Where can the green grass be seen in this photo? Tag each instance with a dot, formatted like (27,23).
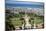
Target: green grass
(16,19)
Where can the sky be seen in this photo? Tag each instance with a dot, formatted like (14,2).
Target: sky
(16,3)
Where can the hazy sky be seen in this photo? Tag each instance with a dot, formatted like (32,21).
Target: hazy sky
(15,3)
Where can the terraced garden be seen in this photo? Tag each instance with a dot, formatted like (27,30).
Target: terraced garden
(18,20)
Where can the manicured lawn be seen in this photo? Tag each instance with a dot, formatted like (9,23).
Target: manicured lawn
(16,20)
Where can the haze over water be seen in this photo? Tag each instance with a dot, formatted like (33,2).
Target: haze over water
(24,4)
